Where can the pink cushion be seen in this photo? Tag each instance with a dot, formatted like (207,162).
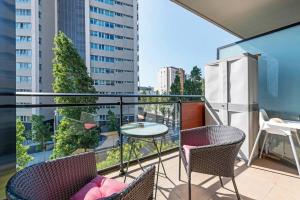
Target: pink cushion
(100,187)
(187,149)
(194,139)
(89,126)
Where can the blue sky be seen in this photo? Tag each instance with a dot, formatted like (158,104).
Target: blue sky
(172,36)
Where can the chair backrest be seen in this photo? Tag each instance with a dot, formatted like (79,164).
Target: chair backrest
(141,188)
(263,117)
(56,180)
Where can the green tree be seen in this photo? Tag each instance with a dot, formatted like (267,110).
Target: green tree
(163,110)
(40,131)
(112,122)
(113,155)
(176,86)
(22,156)
(70,76)
(196,74)
(193,84)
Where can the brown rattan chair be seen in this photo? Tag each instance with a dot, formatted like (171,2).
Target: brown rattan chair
(210,150)
(60,179)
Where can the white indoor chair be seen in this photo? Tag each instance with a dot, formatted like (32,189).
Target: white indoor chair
(283,128)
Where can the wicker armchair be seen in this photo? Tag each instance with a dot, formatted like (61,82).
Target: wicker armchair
(60,179)
(210,150)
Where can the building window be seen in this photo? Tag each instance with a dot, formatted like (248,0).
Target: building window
(24,118)
(23,79)
(40,15)
(23,52)
(101,23)
(108,36)
(123,4)
(97,70)
(23,25)
(23,12)
(102,47)
(102,35)
(102,59)
(23,1)
(110,2)
(106,24)
(23,38)
(23,90)
(122,70)
(101,11)
(40,27)
(104,82)
(40,54)
(124,82)
(23,66)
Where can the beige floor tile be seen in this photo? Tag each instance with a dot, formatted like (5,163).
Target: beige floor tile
(265,179)
(279,193)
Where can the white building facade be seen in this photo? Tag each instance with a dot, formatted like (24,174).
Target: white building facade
(105,32)
(35,30)
(166,77)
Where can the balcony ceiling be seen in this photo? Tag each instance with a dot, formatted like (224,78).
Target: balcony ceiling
(246,18)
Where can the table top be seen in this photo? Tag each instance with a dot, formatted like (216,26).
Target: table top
(144,129)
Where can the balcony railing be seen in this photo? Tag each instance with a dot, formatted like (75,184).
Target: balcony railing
(167,109)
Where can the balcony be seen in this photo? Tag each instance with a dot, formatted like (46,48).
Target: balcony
(266,178)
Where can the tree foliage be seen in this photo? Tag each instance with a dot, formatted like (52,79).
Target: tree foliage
(22,156)
(176,86)
(113,155)
(193,84)
(40,131)
(70,76)
(71,136)
(112,122)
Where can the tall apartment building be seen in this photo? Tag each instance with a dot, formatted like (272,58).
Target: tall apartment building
(105,32)
(35,30)
(166,77)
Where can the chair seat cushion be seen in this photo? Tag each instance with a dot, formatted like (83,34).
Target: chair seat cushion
(186,150)
(89,126)
(99,188)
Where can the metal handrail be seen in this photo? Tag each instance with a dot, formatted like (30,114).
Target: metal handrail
(178,100)
(45,94)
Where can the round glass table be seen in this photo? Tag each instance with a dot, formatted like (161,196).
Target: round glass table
(145,130)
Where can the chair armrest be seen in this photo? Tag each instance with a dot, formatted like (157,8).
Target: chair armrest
(142,187)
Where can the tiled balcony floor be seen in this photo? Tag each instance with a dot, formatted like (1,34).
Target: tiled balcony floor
(265,179)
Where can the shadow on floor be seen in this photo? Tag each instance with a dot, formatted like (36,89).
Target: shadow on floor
(180,193)
(209,193)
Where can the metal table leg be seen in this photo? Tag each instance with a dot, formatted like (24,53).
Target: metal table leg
(159,162)
(132,144)
(130,152)
(159,154)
